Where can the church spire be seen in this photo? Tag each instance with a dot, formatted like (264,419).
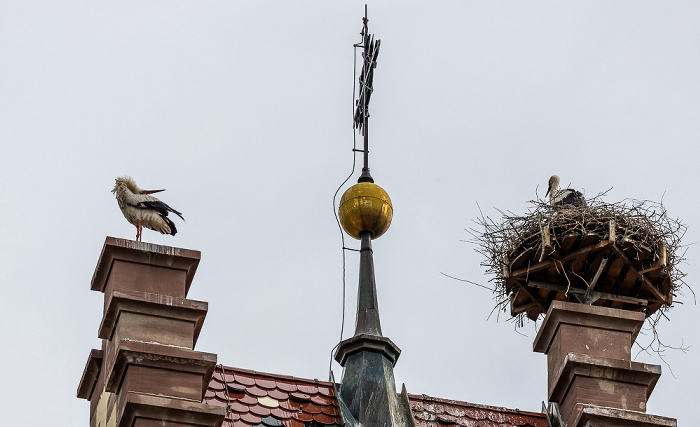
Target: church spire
(367,395)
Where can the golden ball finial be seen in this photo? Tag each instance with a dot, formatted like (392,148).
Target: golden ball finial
(365,207)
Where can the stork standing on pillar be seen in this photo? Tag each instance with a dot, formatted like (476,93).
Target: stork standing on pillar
(143,210)
(566,198)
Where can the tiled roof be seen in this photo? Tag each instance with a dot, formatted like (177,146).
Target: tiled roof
(433,412)
(267,400)
(258,399)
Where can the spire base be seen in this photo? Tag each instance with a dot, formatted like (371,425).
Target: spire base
(368,392)
(371,343)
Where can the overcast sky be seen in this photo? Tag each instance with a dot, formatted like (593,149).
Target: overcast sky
(243,112)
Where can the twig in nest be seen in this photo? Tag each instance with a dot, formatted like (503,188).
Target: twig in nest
(468,281)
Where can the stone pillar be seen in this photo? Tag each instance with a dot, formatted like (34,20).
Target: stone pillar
(591,375)
(147,372)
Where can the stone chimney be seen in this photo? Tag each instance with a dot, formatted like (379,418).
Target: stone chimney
(591,375)
(147,372)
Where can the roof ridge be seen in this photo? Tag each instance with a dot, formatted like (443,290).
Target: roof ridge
(272,375)
(427,398)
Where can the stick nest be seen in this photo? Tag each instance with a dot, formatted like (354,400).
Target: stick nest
(643,231)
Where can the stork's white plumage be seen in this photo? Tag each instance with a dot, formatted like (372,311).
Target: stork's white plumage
(143,210)
(566,197)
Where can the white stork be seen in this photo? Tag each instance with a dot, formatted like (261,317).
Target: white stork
(143,210)
(566,198)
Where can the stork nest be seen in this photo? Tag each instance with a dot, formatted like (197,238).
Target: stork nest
(609,254)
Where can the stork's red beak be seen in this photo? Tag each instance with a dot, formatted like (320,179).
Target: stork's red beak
(152,191)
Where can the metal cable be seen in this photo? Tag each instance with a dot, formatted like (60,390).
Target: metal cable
(228,398)
(335,211)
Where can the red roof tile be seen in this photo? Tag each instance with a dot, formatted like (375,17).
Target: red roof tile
(258,399)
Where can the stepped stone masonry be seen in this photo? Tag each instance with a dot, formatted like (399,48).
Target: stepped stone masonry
(591,375)
(147,372)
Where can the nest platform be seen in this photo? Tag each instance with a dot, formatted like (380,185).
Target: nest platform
(610,271)
(614,255)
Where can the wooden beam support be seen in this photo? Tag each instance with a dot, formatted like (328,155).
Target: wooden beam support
(598,272)
(567,242)
(652,267)
(653,308)
(532,297)
(599,295)
(546,242)
(505,267)
(515,310)
(657,293)
(662,256)
(611,231)
(659,263)
(548,263)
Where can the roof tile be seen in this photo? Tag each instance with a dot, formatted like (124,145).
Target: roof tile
(244,379)
(271,422)
(308,389)
(288,387)
(251,418)
(215,385)
(290,405)
(268,402)
(303,416)
(248,400)
(330,410)
(326,391)
(311,408)
(239,407)
(320,400)
(281,413)
(260,411)
(223,378)
(236,387)
(301,397)
(265,383)
(323,418)
(256,391)
(277,394)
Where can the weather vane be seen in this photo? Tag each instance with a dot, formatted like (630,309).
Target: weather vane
(369,55)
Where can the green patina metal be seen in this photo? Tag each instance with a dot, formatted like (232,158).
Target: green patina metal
(367,393)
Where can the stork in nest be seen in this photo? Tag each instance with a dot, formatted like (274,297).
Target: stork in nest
(565,198)
(143,210)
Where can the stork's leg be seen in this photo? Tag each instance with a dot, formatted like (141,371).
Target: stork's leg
(139,229)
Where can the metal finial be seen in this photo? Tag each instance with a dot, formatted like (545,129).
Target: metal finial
(369,56)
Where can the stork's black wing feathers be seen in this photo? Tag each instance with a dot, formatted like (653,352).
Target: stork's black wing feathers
(572,198)
(171,224)
(161,207)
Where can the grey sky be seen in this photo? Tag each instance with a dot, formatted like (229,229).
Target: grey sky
(243,112)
